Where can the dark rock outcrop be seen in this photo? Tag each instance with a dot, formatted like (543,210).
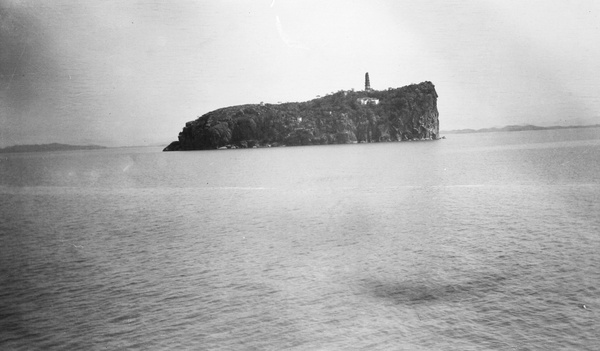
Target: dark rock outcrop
(174,146)
(407,113)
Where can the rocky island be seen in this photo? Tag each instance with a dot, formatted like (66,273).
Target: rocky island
(406,113)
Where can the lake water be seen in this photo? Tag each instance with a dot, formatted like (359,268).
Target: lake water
(477,242)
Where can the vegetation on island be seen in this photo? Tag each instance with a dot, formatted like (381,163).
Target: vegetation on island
(406,113)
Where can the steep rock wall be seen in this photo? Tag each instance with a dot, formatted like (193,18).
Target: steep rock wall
(407,113)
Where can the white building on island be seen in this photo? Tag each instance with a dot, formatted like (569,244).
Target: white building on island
(368,101)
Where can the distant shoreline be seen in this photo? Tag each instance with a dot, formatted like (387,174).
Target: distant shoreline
(48,147)
(68,147)
(514,128)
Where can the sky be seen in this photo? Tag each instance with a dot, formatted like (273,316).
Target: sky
(128,73)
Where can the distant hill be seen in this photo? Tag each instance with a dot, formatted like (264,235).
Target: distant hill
(513,128)
(49,147)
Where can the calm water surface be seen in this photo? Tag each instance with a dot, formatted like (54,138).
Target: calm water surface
(476,242)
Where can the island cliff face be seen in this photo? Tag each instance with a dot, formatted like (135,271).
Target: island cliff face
(407,113)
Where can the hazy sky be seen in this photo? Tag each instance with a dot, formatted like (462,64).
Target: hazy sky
(121,73)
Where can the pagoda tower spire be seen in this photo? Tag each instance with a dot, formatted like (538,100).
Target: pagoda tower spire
(367,82)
